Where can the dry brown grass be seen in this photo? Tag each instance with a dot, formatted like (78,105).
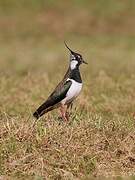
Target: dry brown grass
(98,140)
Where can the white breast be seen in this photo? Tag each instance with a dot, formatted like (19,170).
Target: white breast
(73,91)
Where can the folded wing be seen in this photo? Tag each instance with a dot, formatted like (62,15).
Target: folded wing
(53,100)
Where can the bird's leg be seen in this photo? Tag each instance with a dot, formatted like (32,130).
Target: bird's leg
(67,115)
(63,110)
(69,105)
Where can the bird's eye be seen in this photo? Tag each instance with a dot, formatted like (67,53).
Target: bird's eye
(79,56)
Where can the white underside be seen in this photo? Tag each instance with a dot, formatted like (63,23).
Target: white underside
(73,91)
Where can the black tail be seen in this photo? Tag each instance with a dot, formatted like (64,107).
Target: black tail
(36,115)
(44,108)
(41,110)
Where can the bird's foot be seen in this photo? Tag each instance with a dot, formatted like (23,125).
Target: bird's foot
(67,116)
(60,118)
(64,113)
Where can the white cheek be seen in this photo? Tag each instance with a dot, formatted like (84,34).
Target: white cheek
(72,57)
(73,64)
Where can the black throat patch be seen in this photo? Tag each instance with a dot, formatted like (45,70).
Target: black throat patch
(75,75)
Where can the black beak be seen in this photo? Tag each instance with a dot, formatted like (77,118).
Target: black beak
(84,62)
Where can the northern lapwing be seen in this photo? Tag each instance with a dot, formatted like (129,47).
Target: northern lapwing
(66,91)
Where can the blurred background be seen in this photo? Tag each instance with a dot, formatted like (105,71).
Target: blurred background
(32,34)
(32,50)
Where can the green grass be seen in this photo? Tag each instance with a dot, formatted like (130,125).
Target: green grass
(98,141)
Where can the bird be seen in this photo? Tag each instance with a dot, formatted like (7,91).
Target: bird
(67,90)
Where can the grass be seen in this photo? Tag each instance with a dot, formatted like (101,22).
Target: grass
(98,141)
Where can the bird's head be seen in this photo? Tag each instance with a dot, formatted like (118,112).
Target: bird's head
(75,58)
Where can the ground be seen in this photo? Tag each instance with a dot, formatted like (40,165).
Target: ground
(99,140)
